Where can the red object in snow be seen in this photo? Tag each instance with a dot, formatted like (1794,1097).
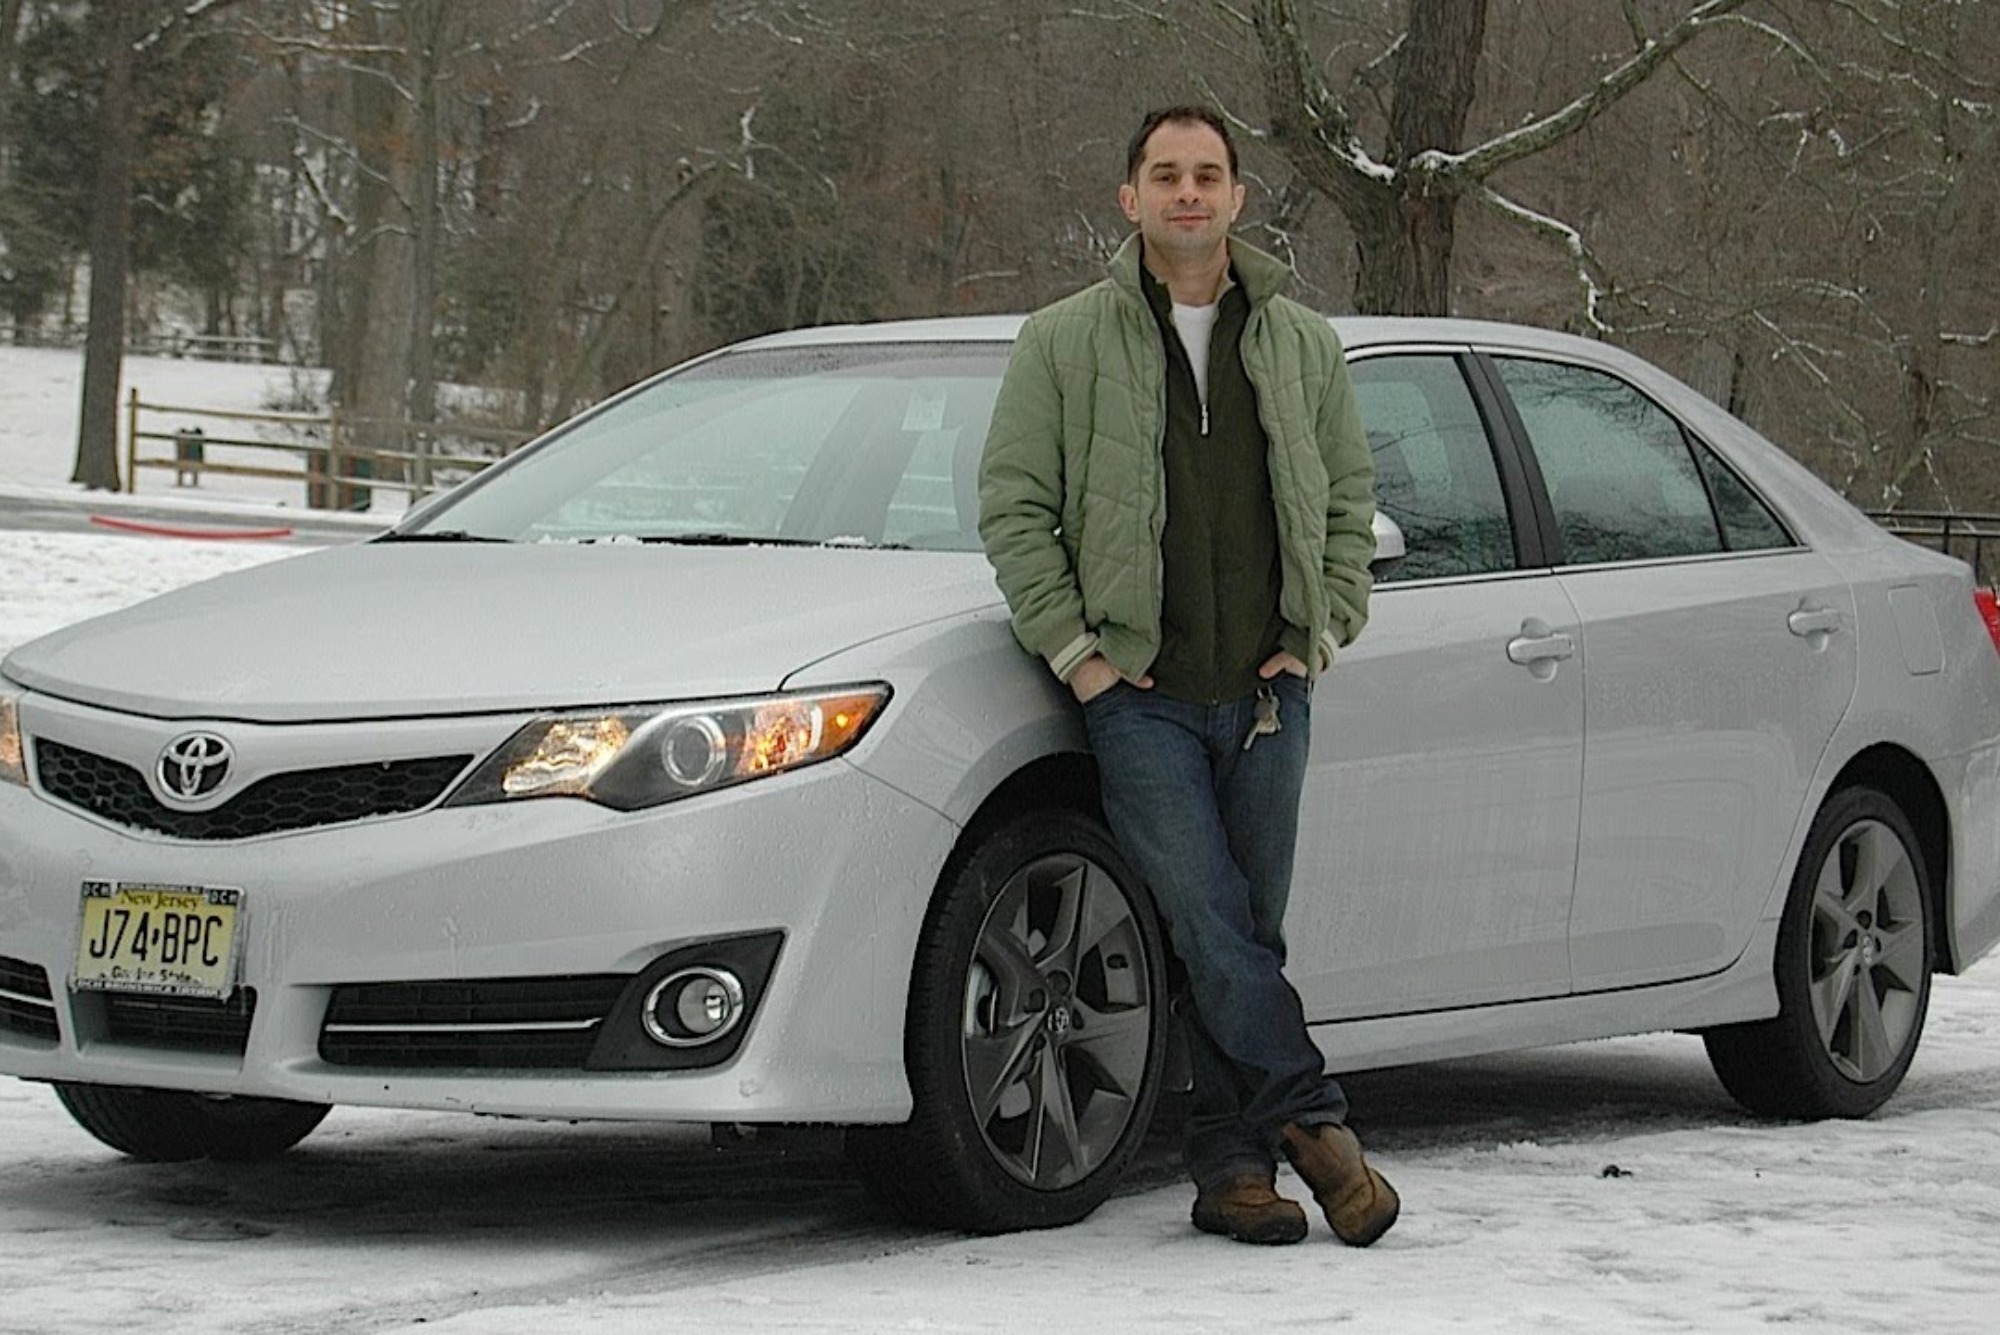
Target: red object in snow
(183,531)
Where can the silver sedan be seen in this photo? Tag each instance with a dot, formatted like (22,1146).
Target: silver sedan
(683,767)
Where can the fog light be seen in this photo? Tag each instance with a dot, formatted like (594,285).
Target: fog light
(694,1006)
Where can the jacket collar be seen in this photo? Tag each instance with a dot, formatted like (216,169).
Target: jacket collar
(1262,276)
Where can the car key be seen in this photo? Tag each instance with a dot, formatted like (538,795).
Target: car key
(1264,717)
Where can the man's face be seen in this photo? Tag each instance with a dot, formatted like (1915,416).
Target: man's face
(1183,198)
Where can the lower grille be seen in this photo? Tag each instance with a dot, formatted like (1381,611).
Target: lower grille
(183,1024)
(298,800)
(505,1023)
(27,1007)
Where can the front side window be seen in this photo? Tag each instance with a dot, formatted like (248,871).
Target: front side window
(1619,472)
(1434,470)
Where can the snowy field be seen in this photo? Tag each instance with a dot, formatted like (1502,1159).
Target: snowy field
(1602,1187)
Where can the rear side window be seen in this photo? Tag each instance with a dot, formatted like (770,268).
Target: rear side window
(1623,481)
(1434,470)
(1747,523)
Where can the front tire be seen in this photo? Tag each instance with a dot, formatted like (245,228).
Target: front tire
(1853,971)
(1036,1033)
(170,1126)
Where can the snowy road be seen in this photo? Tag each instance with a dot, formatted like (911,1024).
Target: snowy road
(1607,1186)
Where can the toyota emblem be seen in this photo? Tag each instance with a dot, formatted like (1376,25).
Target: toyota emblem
(193,765)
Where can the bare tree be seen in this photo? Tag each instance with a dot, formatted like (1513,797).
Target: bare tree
(110,252)
(1401,201)
(11,12)
(128,31)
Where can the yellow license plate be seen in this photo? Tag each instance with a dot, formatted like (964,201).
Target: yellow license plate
(143,937)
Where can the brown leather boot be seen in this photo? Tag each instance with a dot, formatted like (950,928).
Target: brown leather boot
(1249,1209)
(1359,1204)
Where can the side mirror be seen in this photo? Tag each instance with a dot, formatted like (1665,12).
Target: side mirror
(1389,545)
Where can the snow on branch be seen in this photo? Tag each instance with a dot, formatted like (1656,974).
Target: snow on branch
(1891,34)
(1807,357)
(1318,137)
(186,16)
(1587,266)
(1478,163)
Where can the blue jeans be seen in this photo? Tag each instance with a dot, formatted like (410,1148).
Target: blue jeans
(1212,829)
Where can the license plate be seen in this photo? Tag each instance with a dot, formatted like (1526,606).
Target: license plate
(144,937)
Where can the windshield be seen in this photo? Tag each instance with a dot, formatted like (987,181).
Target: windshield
(867,444)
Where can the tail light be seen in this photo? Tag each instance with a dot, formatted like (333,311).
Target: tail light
(1989,612)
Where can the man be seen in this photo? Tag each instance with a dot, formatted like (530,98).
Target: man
(1176,497)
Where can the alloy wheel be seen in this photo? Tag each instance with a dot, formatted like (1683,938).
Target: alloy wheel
(1057,1020)
(1867,961)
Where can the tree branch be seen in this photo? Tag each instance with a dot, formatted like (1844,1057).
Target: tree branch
(1589,271)
(1323,145)
(1478,163)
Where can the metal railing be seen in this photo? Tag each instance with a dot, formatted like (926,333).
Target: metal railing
(1973,539)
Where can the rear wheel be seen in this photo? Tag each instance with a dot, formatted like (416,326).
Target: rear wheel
(1853,971)
(170,1126)
(1036,1031)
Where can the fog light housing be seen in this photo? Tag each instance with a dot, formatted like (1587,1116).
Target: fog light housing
(693,1006)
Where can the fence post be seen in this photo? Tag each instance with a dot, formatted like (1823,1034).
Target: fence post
(327,492)
(132,439)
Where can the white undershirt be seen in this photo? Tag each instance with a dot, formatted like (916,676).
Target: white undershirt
(1194,324)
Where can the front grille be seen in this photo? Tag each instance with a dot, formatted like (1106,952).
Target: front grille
(493,1023)
(298,800)
(184,1024)
(27,1007)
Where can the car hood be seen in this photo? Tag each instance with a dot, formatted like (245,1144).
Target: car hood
(384,630)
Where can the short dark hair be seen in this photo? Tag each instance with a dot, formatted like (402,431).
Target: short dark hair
(1188,114)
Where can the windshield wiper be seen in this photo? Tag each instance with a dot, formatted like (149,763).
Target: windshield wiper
(439,535)
(719,539)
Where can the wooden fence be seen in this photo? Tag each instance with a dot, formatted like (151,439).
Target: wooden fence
(339,459)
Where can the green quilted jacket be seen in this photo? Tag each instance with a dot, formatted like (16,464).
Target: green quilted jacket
(1072,491)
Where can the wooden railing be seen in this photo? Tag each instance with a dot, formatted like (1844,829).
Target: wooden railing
(338,458)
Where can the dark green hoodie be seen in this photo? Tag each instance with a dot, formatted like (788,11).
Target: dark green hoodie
(1220,584)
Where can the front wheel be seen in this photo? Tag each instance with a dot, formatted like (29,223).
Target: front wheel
(170,1126)
(1853,971)
(1036,1031)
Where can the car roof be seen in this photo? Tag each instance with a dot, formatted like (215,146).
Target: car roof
(1356,332)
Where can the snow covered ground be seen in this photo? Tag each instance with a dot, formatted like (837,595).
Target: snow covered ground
(1602,1187)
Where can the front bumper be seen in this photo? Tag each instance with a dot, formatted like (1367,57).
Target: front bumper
(838,864)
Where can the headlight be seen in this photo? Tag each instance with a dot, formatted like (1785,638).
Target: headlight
(13,761)
(640,757)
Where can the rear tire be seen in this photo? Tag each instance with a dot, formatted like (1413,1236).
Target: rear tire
(170,1126)
(1035,1038)
(1853,971)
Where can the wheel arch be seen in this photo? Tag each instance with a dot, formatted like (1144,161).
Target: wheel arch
(1050,802)
(1063,779)
(1058,780)
(1908,782)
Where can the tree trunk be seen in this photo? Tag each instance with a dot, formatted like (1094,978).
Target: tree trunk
(425,22)
(110,247)
(1404,246)
(10,36)
(372,378)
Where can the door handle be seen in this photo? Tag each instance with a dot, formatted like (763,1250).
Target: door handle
(1538,648)
(1813,621)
